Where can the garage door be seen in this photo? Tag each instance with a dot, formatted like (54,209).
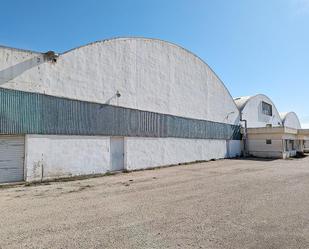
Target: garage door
(12,150)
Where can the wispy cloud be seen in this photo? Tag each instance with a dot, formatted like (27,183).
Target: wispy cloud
(300,6)
(305,125)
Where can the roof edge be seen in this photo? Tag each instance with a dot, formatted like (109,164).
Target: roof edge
(20,49)
(153,39)
(243,105)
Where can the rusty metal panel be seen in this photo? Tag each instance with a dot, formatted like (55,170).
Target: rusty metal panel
(33,113)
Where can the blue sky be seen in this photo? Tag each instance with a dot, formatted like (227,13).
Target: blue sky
(255,46)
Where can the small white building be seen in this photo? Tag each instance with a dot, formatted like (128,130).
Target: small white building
(258,111)
(268,133)
(273,142)
(119,104)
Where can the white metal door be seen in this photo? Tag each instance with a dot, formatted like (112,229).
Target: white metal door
(12,150)
(117,153)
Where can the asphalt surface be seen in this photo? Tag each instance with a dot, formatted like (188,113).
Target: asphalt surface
(221,204)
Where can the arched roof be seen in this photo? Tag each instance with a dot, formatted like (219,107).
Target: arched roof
(20,49)
(149,39)
(283,115)
(250,109)
(153,74)
(288,117)
(241,102)
(125,38)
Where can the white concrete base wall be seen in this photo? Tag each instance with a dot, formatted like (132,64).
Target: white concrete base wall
(144,153)
(235,148)
(48,157)
(64,156)
(261,145)
(267,154)
(259,148)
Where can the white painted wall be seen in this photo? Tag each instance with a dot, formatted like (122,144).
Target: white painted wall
(144,153)
(260,145)
(259,148)
(64,156)
(234,148)
(20,69)
(252,112)
(151,75)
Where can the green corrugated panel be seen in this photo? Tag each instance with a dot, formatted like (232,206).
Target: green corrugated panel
(32,113)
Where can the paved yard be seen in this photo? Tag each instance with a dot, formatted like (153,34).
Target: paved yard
(221,204)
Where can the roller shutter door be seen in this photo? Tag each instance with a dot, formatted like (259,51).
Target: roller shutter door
(12,150)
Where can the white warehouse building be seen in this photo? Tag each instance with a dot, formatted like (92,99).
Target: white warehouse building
(267,132)
(119,104)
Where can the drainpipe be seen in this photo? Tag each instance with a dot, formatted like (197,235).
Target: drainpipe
(244,138)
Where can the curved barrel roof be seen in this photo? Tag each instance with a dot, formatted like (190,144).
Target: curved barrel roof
(149,74)
(251,109)
(290,120)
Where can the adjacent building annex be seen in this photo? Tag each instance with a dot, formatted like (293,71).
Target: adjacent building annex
(121,104)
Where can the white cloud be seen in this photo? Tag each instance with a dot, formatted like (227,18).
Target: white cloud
(305,125)
(301,6)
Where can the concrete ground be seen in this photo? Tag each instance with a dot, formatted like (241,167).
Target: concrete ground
(221,204)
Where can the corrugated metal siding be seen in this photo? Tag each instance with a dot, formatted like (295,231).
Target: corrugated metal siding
(32,113)
(12,150)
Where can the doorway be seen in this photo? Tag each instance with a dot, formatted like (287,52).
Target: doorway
(117,153)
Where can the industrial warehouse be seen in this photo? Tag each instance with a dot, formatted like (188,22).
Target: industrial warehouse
(127,104)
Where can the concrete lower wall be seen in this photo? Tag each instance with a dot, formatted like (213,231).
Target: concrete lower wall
(261,145)
(48,157)
(259,148)
(235,148)
(267,154)
(65,156)
(151,152)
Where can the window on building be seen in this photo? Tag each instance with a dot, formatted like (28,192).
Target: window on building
(267,109)
(268,141)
